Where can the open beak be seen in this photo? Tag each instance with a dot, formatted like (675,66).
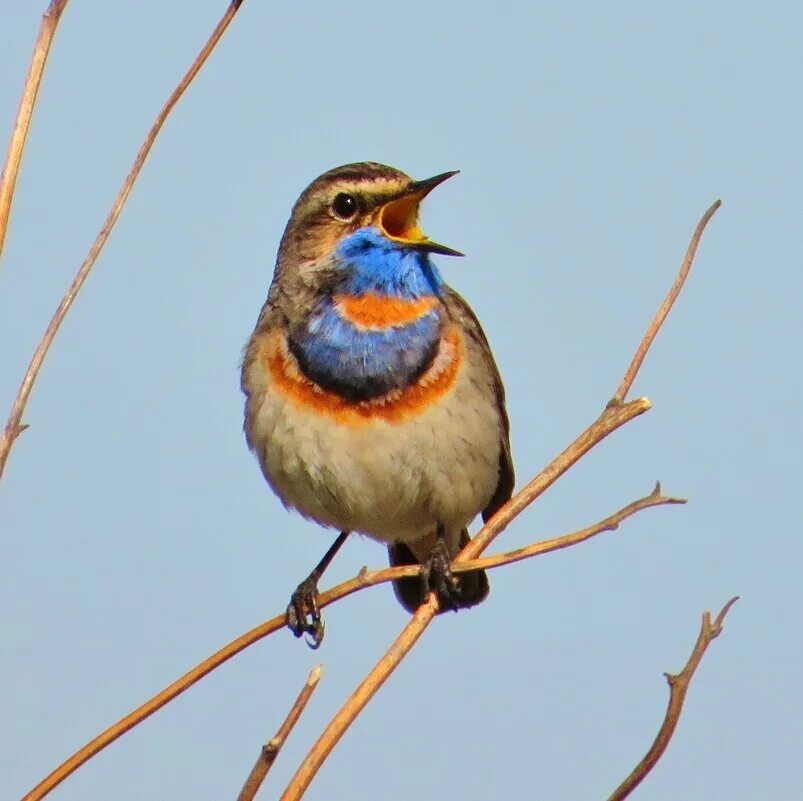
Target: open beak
(398,218)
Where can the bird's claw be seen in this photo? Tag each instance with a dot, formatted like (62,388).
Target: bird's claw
(438,577)
(303,614)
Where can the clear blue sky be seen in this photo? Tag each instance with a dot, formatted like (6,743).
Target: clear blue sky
(137,534)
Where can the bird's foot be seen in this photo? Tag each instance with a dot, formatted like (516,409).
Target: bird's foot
(303,615)
(438,577)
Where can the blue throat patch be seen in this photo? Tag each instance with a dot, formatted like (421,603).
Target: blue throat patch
(357,364)
(373,263)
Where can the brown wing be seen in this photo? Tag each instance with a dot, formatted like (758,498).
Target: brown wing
(471,325)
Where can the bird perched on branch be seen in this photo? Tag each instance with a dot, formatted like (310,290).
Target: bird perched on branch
(373,403)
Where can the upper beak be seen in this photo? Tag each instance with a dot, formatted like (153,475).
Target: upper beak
(398,218)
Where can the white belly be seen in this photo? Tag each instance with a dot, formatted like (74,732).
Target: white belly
(393,481)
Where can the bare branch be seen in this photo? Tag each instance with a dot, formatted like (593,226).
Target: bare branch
(15,417)
(567,540)
(678,686)
(19,134)
(271,749)
(612,418)
(362,581)
(666,307)
(359,699)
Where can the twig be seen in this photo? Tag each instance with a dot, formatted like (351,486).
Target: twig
(608,524)
(424,615)
(271,749)
(678,686)
(19,134)
(359,699)
(359,582)
(13,428)
(666,307)
(612,418)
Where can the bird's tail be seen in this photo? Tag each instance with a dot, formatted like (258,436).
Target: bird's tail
(412,592)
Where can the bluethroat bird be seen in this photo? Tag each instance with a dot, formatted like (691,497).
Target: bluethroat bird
(373,403)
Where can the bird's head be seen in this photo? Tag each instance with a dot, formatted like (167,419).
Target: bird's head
(367,204)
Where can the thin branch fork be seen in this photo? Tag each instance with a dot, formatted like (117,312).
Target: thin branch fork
(271,749)
(678,687)
(19,134)
(13,427)
(608,524)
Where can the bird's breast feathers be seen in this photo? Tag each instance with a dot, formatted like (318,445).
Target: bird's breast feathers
(386,465)
(285,377)
(378,312)
(355,357)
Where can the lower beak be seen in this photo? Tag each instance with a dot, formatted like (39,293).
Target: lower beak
(398,218)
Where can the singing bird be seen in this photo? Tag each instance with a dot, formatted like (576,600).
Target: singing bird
(373,402)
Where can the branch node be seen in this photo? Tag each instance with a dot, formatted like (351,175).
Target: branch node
(270,749)
(707,628)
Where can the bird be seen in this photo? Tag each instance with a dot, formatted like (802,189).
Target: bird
(373,402)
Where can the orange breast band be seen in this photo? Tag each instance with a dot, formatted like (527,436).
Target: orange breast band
(376,312)
(396,406)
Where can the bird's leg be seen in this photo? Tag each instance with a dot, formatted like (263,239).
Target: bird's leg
(437,573)
(304,601)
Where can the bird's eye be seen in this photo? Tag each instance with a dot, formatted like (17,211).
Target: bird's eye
(345,206)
